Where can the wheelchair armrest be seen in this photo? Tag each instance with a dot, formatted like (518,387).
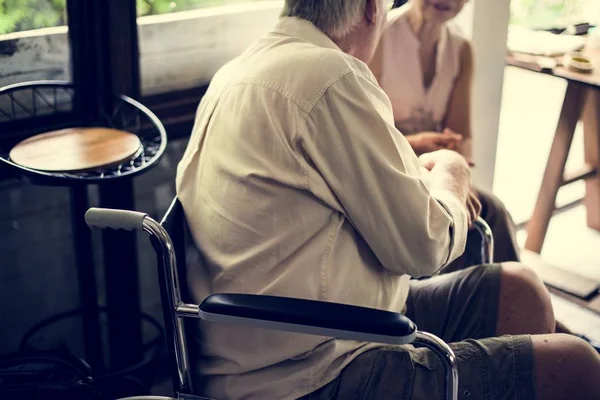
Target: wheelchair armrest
(308,316)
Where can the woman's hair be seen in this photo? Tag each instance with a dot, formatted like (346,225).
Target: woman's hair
(336,18)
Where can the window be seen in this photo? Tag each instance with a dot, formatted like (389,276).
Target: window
(33,41)
(554,13)
(154,7)
(184,42)
(17,15)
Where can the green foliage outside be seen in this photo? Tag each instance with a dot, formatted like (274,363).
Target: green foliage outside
(153,7)
(548,13)
(23,15)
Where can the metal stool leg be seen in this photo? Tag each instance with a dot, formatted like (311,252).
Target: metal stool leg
(122,281)
(446,355)
(88,292)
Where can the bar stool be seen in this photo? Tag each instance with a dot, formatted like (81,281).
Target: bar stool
(46,138)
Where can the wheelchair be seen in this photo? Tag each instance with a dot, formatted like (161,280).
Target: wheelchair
(279,313)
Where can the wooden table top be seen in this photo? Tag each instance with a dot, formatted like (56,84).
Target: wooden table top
(534,63)
(76,149)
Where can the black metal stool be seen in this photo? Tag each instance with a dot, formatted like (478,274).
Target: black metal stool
(31,108)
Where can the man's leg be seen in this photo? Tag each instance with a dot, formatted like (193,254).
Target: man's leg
(470,304)
(488,370)
(524,305)
(482,301)
(544,367)
(566,368)
(460,305)
(523,292)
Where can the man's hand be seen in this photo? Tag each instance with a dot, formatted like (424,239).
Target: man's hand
(473,207)
(448,171)
(427,142)
(454,169)
(443,158)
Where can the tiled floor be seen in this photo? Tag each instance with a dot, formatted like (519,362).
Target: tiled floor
(37,275)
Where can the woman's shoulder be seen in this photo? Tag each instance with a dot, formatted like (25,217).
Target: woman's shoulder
(457,39)
(456,32)
(396,16)
(461,49)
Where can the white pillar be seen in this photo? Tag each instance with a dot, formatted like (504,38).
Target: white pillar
(486,23)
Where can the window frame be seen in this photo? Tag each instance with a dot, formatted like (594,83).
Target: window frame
(105,55)
(103,40)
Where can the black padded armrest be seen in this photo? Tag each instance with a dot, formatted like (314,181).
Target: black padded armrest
(311,317)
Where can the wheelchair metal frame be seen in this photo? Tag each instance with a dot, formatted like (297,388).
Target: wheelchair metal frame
(487,240)
(176,310)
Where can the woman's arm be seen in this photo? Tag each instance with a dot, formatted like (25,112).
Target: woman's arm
(458,118)
(427,142)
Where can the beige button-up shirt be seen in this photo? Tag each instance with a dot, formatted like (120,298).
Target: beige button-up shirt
(296,183)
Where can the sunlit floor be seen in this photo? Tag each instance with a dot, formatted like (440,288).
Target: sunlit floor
(530,108)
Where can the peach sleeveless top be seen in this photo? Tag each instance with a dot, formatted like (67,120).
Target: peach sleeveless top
(417,108)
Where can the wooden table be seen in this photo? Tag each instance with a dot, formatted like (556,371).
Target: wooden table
(581,102)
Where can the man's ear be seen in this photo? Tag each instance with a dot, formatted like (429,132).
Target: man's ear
(372,11)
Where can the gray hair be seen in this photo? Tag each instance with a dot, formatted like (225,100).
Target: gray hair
(336,18)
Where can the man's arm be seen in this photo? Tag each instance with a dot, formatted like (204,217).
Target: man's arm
(370,167)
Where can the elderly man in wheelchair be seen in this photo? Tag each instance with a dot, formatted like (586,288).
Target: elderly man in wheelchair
(312,213)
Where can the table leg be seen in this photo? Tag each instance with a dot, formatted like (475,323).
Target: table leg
(553,176)
(591,131)
(122,284)
(88,292)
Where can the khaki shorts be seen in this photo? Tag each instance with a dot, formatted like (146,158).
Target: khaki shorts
(462,309)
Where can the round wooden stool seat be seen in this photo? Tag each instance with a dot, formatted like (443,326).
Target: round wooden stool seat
(76,149)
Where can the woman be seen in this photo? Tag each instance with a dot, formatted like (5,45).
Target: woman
(426,68)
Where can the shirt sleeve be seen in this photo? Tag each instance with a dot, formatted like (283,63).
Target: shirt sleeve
(372,170)
(459,224)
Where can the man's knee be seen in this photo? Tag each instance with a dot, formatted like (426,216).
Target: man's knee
(523,276)
(566,367)
(562,345)
(581,351)
(523,286)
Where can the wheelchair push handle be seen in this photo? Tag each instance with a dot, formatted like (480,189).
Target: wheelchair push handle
(114,219)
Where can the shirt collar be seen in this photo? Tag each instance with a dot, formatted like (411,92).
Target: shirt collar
(305,30)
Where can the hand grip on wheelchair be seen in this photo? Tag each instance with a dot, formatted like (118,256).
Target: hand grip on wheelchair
(114,219)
